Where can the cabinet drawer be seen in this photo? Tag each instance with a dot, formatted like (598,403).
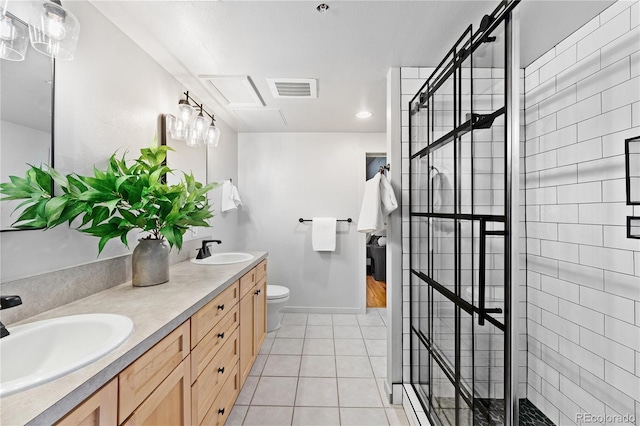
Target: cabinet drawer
(223,404)
(208,347)
(261,270)
(139,380)
(247,282)
(207,387)
(211,313)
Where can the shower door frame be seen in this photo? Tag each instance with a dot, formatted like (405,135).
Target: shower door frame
(506,12)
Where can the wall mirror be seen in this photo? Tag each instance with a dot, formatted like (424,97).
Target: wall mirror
(26,121)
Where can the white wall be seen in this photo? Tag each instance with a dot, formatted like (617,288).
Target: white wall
(285,176)
(108,98)
(582,101)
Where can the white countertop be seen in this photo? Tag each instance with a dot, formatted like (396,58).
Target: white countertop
(155,311)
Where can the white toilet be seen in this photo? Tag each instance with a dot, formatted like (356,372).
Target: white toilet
(277,295)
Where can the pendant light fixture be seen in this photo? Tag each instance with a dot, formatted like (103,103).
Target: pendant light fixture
(14,37)
(192,138)
(196,132)
(213,135)
(182,120)
(200,125)
(53,30)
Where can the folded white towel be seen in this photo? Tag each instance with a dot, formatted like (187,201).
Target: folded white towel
(370,219)
(323,233)
(230,197)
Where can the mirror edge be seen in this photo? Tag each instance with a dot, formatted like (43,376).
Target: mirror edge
(52,147)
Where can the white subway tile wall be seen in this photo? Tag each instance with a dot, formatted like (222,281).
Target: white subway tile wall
(585,308)
(583,278)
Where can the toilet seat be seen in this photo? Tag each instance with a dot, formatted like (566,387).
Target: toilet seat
(276,292)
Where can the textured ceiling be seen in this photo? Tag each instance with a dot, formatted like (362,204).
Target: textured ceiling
(349,49)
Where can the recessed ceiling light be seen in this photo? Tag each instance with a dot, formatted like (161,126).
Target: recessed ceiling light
(322,7)
(364,114)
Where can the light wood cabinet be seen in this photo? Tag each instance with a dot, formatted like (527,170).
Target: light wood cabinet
(139,380)
(208,347)
(193,375)
(210,314)
(260,317)
(253,324)
(247,282)
(101,408)
(223,404)
(247,340)
(207,387)
(169,404)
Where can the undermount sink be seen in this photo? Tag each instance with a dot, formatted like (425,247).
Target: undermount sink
(223,259)
(42,351)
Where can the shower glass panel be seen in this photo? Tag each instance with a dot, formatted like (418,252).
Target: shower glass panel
(459,232)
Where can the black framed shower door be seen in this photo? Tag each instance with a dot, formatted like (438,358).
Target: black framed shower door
(459,232)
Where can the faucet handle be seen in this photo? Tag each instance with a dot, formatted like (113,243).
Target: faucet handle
(9,301)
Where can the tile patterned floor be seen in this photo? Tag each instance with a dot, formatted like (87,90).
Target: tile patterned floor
(320,369)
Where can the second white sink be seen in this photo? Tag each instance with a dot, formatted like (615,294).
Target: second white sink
(42,351)
(223,259)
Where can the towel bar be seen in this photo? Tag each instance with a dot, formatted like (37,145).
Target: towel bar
(339,220)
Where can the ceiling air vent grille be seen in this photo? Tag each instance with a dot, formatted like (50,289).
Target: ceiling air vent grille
(293,87)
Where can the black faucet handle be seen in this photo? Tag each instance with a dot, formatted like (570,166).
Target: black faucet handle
(204,251)
(9,301)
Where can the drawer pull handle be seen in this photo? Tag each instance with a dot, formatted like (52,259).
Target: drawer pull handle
(221,370)
(221,335)
(221,307)
(257,292)
(221,411)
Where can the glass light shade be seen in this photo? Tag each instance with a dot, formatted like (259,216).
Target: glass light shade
(177,128)
(53,30)
(192,138)
(185,111)
(213,136)
(201,124)
(14,38)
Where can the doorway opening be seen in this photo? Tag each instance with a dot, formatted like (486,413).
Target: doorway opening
(376,248)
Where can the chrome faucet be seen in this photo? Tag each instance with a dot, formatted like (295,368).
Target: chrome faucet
(204,252)
(8,302)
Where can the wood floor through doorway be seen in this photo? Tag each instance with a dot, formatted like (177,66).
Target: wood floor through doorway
(376,293)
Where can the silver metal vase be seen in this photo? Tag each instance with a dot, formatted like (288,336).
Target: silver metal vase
(150,263)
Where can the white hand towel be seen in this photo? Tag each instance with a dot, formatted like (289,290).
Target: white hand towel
(387,196)
(235,196)
(230,197)
(323,234)
(370,219)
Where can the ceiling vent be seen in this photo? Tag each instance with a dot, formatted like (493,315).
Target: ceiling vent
(237,90)
(293,87)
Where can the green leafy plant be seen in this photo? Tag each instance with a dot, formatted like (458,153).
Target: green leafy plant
(113,202)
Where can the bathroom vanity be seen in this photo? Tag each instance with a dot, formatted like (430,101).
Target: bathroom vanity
(194,343)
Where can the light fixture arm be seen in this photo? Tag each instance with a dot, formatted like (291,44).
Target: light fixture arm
(201,106)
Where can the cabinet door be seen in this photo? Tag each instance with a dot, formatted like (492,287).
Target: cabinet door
(260,314)
(100,409)
(247,341)
(169,404)
(138,380)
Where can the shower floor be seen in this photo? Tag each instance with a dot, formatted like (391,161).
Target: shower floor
(529,413)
